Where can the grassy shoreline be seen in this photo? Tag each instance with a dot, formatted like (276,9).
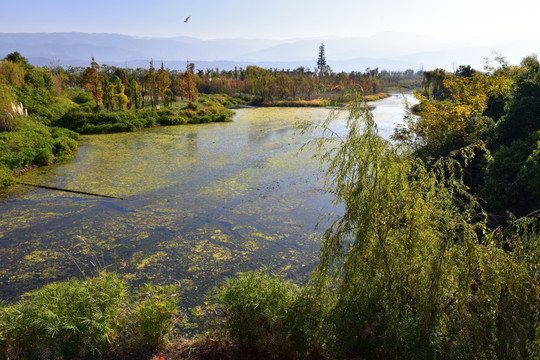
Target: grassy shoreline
(318,102)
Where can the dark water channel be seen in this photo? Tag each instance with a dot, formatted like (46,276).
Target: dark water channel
(202,202)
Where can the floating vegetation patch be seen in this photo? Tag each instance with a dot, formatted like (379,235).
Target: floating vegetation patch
(202,202)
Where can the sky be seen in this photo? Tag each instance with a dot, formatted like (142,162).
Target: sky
(276,19)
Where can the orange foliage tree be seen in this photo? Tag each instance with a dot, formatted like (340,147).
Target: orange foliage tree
(91,81)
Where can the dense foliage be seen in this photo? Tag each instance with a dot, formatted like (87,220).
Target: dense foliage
(85,319)
(261,311)
(498,108)
(412,268)
(32,143)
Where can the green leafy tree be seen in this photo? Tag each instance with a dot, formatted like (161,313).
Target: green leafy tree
(108,95)
(433,84)
(7,113)
(136,94)
(12,73)
(523,107)
(511,179)
(283,85)
(119,94)
(411,269)
(259,81)
(321,60)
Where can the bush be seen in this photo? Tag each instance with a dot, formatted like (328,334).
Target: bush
(63,320)
(154,315)
(106,122)
(35,144)
(30,143)
(83,97)
(86,318)
(165,120)
(261,311)
(5,176)
(167,111)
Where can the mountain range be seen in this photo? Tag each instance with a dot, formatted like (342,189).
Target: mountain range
(388,50)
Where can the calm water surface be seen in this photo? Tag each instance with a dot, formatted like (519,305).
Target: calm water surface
(201,202)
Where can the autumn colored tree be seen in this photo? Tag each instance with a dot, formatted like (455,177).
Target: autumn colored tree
(90,78)
(449,122)
(163,81)
(296,86)
(310,84)
(188,84)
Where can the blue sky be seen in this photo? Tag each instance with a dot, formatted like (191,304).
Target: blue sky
(276,19)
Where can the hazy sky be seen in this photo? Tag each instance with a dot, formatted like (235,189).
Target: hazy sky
(275,19)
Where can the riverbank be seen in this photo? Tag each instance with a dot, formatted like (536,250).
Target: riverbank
(319,102)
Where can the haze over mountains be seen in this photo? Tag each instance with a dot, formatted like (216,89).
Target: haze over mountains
(388,50)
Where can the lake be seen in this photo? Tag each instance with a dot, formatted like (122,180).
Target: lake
(198,203)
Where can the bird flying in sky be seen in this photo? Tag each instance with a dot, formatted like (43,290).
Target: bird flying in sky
(186,20)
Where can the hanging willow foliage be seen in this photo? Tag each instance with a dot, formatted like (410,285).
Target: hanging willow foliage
(411,268)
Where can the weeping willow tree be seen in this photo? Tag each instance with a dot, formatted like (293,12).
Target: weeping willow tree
(411,268)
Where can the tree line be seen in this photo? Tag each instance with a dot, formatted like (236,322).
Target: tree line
(163,86)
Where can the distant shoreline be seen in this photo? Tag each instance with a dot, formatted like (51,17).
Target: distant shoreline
(319,102)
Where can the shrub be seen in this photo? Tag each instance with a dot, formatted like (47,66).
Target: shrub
(83,97)
(261,311)
(171,120)
(106,122)
(5,176)
(154,315)
(63,320)
(167,111)
(31,143)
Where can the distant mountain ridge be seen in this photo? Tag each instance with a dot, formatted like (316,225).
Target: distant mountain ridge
(388,50)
